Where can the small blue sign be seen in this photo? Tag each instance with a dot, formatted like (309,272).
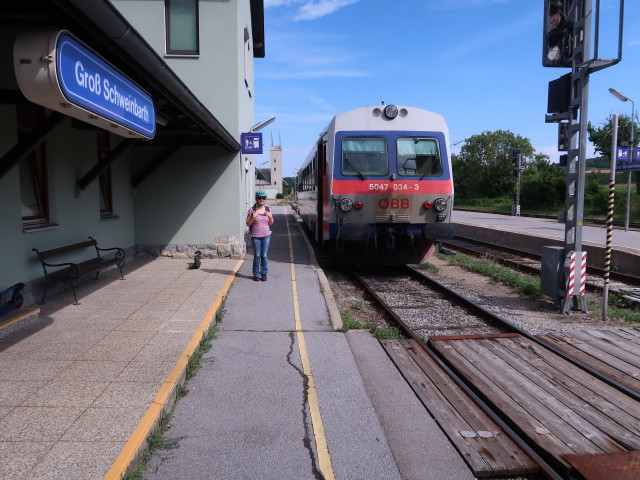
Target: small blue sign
(88,81)
(636,154)
(623,154)
(251,143)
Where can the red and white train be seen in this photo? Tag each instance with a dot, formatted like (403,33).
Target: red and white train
(377,187)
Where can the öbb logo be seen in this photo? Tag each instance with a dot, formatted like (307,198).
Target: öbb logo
(393,203)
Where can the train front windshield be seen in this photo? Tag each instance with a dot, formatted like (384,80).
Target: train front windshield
(366,157)
(418,156)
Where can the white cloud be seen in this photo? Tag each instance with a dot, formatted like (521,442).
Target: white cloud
(311,9)
(321,8)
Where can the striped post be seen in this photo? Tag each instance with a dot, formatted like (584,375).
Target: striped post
(572,274)
(612,189)
(583,273)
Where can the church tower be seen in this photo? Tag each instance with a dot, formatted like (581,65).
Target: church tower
(275,157)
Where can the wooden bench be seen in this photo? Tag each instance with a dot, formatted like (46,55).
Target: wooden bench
(71,273)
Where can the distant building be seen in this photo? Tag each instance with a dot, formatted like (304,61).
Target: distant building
(270,179)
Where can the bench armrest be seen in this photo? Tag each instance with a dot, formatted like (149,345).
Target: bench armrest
(74,270)
(119,253)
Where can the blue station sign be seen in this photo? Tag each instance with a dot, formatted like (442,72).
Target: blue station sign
(623,154)
(90,82)
(251,143)
(629,161)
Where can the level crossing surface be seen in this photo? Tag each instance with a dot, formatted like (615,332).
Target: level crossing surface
(282,395)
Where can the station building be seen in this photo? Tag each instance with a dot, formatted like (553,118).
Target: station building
(121,120)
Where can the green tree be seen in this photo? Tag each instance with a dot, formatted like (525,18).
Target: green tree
(601,138)
(483,168)
(542,185)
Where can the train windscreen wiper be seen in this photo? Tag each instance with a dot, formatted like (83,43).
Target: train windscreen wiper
(437,159)
(360,174)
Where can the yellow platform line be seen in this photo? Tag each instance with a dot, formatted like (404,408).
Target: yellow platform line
(324,458)
(166,394)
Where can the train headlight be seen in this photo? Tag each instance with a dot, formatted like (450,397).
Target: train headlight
(358,205)
(391,112)
(440,204)
(346,205)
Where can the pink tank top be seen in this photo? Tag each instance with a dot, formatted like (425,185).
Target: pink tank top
(260,226)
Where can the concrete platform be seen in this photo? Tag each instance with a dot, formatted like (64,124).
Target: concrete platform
(281,394)
(535,233)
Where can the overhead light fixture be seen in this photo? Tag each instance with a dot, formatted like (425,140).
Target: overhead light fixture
(262,124)
(618,95)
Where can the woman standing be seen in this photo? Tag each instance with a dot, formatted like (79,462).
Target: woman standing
(259,219)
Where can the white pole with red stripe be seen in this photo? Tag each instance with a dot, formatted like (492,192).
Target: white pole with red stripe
(573,287)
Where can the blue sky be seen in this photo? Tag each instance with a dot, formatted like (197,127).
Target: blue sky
(476,62)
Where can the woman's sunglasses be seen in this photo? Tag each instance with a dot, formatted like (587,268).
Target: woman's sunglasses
(261,198)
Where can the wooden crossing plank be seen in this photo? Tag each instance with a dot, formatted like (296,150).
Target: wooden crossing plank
(616,417)
(507,454)
(615,348)
(535,403)
(575,418)
(486,449)
(613,363)
(501,399)
(543,393)
(631,332)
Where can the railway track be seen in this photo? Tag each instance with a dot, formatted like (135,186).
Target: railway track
(506,399)
(529,262)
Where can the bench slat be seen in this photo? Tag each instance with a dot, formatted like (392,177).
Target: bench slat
(67,248)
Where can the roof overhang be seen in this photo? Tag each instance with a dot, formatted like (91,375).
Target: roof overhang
(100,24)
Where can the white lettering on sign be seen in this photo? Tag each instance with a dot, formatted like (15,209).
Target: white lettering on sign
(111,93)
(127,103)
(86,80)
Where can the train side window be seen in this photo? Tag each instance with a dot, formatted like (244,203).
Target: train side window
(362,156)
(418,156)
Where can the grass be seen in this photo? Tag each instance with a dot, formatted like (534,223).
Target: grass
(157,440)
(429,266)
(530,286)
(360,305)
(525,284)
(381,333)
(616,310)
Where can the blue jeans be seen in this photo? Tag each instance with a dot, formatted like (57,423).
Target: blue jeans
(260,260)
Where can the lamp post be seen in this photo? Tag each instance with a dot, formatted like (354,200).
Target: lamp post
(624,98)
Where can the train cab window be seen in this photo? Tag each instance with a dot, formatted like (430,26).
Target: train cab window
(364,156)
(418,156)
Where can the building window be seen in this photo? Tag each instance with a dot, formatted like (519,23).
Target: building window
(181,17)
(247,49)
(33,170)
(106,199)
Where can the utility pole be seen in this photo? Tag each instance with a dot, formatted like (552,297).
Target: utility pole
(516,161)
(567,44)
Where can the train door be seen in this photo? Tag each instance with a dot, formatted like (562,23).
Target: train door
(322,189)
